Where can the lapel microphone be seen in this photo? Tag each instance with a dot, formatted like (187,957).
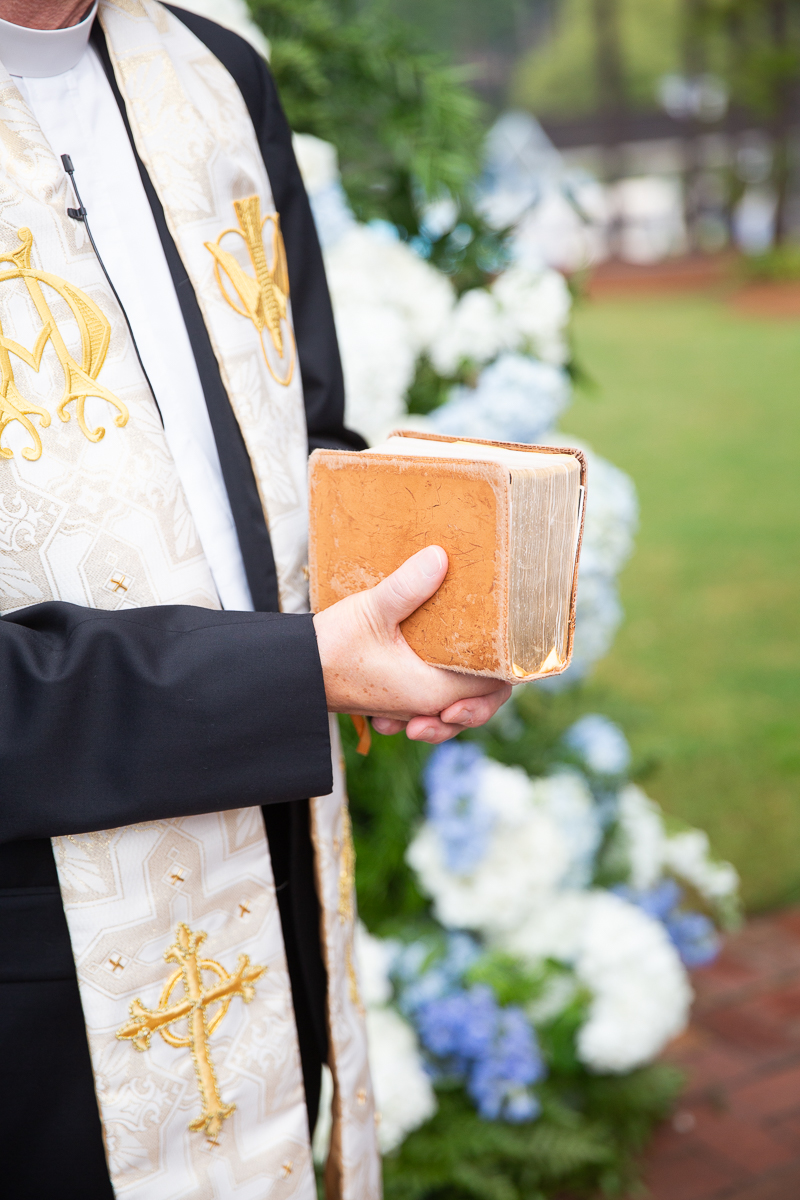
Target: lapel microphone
(80,214)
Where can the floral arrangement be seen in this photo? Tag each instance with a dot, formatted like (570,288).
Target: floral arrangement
(491,363)
(538,913)
(530,914)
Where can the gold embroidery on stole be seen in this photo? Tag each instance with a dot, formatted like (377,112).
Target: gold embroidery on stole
(80,380)
(264,299)
(194,1008)
(347,883)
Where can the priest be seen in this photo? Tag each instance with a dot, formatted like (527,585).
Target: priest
(176,865)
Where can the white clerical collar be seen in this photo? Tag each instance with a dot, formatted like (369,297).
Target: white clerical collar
(40,53)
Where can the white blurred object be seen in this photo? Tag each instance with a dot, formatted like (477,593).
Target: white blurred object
(648,214)
(688,855)
(234,15)
(704,97)
(600,744)
(643,830)
(536,304)
(559,213)
(389,304)
(559,234)
(754,220)
(474,332)
(319,167)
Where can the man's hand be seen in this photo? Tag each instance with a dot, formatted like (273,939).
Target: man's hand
(370,669)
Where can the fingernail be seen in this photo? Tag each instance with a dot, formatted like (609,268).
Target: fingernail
(427,734)
(431,561)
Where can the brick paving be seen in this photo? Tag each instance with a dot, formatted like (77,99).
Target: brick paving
(735,1134)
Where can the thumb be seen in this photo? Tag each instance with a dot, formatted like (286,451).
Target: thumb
(397,596)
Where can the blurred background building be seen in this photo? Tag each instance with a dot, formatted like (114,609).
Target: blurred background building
(661,126)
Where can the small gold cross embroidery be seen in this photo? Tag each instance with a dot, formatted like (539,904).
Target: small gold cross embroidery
(194,1007)
(244,911)
(115,964)
(176,877)
(119,584)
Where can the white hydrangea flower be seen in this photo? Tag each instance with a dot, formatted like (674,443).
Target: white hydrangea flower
(476,331)
(526,857)
(388,303)
(643,828)
(640,990)
(552,930)
(536,305)
(377,361)
(373,958)
(566,798)
(688,855)
(404,1096)
(318,161)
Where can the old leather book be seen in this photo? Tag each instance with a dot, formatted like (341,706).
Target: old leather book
(509,516)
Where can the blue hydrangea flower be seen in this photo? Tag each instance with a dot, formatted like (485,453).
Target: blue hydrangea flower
(600,744)
(452,778)
(494,1049)
(695,938)
(421,977)
(517,398)
(693,934)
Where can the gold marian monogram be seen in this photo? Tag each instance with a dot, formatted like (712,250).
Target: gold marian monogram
(194,1008)
(263,299)
(80,379)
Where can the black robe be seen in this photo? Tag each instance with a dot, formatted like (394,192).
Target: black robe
(111,718)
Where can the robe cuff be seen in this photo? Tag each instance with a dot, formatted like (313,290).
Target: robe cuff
(148,714)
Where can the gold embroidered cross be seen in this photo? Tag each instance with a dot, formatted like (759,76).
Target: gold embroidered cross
(263,297)
(176,877)
(116,964)
(119,584)
(194,1008)
(244,911)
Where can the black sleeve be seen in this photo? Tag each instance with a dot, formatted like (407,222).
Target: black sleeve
(317,348)
(108,719)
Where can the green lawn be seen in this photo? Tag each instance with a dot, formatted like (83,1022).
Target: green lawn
(702,407)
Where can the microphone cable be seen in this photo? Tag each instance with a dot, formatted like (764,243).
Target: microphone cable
(80,214)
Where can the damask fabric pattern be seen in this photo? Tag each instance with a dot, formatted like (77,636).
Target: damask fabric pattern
(100,519)
(75,513)
(194,135)
(93,513)
(353,1167)
(126,893)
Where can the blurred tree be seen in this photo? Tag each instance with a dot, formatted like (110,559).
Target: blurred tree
(585,65)
(489,35)
(405,123)
(763,71)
